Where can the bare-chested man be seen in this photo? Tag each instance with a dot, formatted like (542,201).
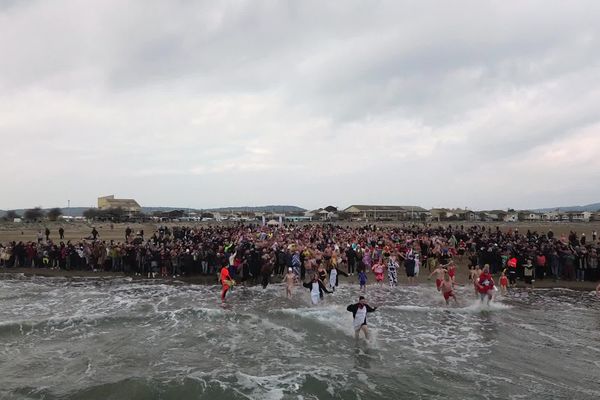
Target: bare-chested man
(447,289)
(439,273)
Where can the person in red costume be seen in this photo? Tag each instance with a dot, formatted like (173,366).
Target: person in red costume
(226,281)
(485,284)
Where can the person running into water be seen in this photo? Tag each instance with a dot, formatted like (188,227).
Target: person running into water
(439,273)
(452,271)
(378,271)
(359,313)
(485,285)
(475,274)
(362,280)
(333,276)
(447,289)
(316,289)
(392,267)
(226,281)
(503,283)
(290,280)
(598,290)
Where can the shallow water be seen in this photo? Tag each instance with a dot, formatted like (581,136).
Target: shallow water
(124,339)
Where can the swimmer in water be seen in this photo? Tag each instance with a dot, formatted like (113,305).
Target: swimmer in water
(452,271)
(378,271)
(439,273)
(226,281)
(362,281)
(485,285)
(316,289)
(333,275)
(475,274)
(447,289)
(290,280)
(393,266)
(503,283)
(359,313)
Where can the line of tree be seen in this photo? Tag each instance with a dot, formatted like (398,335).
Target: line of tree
(10,215)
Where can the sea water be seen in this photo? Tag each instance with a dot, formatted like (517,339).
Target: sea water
(130,339)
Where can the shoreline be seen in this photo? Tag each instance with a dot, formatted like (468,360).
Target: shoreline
(212,280)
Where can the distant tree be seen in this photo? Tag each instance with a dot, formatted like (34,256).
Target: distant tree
(33,214)
(10,215)
(54,213)
(91,213)
(114,214)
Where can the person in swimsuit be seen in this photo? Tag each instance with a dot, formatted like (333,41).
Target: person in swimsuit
(226,281)
(475,274)
(439,273)
(485,285)
(447,289)
(290,280)
(359,313)
(503,283)
(452,271)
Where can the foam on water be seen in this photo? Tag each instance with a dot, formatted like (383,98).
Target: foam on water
(76,338)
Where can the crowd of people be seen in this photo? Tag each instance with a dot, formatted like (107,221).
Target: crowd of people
(257,254)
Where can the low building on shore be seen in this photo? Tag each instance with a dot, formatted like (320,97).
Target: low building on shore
(386,213)
(110,202)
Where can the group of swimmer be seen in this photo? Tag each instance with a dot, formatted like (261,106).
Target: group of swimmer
(482,280)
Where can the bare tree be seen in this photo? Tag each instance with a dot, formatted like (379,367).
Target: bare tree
(54,213)
(33,214)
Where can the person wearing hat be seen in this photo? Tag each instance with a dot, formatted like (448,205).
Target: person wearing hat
(359,313)
(290,280)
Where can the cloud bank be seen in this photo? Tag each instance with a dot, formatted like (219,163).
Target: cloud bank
(201,104)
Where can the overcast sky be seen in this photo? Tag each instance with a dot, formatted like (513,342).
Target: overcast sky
(479,104)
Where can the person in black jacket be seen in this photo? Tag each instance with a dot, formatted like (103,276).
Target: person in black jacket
(359,313)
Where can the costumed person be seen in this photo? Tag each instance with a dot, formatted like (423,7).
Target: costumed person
(528,273)
(333,273)
(417,263)
(316,289)
(333,276)
(362,280)
(512,271)
(359,313)
(409,265)
(393,270)
(378,271)
(447,289)
(226,281)
(290,280)
(485,285)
